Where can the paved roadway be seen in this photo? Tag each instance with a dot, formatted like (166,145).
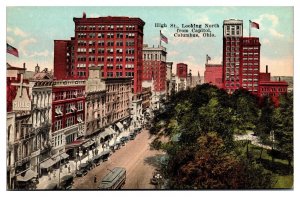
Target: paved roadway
(136,156)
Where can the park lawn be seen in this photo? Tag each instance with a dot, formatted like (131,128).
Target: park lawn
(284,182)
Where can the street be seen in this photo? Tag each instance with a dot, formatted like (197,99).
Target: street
(135,156)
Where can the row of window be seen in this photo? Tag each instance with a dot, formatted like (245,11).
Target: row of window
(68,94)
(108,58)
(102,43)
(105,27)
(102,35)
(69,122)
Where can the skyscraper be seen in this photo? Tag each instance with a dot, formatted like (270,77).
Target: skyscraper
(112,43)
(241,58)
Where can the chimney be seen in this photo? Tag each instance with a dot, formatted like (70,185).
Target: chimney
(279,78)
(84,15)
(266,68)
(24,66)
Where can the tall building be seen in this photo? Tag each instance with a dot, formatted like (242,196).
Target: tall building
(232,39)
(213,74)
(40,91)
(181,70)
(241,58)
(154,66)
(112,43)
(67,112)
(250,64)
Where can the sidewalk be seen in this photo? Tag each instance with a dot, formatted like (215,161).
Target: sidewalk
(55,175)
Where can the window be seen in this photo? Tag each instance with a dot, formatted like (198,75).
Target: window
(110,74)
(70,121)
(57,125)
(59,110)
(118,74)
(100,35)
(110,35)
(59,95)
(101,43)
(80,105)
(80,118)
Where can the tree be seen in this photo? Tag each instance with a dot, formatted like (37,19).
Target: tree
(283,129)
(213,167)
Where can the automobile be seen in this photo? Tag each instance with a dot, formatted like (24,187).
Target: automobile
(83,169)
(51,186)
(124,139)
(66,182)
(105,155)
(132,136)
(81,172)
(96,160)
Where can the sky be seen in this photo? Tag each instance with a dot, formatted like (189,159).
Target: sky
(32,30)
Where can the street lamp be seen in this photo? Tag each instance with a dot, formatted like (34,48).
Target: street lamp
(59,169)
(76,160)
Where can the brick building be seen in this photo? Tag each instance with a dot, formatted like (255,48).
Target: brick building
(213,74)
(112,43)
(274,89)
(154,66)
(182,70)
(67,112)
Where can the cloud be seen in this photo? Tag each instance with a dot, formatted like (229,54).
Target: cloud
(173,53)
(10,39)
(275,33)
(264,19)
(197,17)
(266,41)
(17,31)
(271,17)
(42,53)
(24,43)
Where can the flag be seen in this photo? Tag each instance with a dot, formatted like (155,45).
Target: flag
(254,24)
(12,50)
(207,57)
(163,38)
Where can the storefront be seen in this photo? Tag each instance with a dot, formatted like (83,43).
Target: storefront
(27,180)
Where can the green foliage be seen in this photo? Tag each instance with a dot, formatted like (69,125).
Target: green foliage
(205,155)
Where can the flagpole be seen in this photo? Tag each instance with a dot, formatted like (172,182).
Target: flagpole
(249,28)
(159,37)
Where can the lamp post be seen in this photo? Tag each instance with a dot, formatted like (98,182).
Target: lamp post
(59,169)
(80,154)
(76,160)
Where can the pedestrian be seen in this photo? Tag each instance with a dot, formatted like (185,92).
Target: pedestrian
(95,179)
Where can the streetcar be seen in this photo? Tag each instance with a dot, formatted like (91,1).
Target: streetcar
(115,179)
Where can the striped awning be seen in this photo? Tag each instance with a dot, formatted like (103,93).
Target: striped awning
(47,164)
(119,125)
(29,174)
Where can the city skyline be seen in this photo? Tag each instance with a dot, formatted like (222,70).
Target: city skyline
(35,39)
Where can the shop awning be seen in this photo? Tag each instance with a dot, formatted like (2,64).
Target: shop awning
(105,152)
(64,155)
(119,125)
(47,164)
(28,175)
(56,159)
(107,131)
(88,144)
